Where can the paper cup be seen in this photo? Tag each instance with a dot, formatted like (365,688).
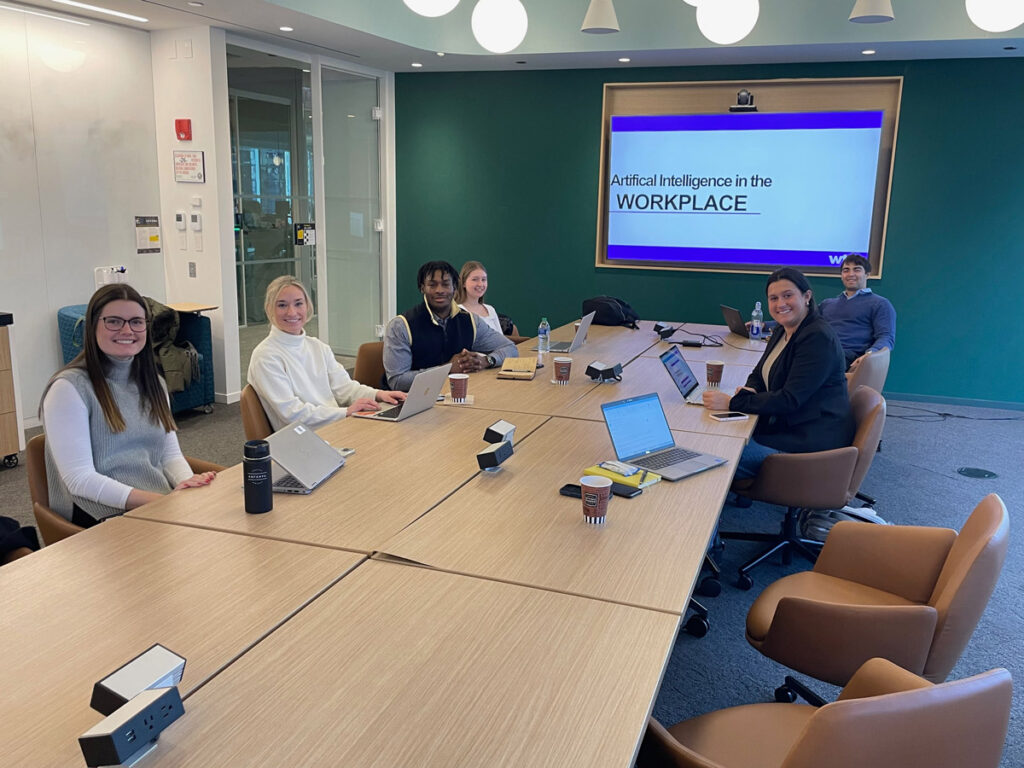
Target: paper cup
(715,369)
(597,490)
(563,368)
(458,383)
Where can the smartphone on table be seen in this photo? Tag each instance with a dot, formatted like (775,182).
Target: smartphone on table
(625,491)
(730,416)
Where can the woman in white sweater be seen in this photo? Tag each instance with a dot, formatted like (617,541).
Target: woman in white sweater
(295,375)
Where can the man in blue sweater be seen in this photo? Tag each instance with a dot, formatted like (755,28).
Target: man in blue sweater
(864,321)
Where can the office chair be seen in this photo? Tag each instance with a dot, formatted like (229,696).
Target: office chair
(52,526)
(885,717)
(909,594)
(821,480)
(254,418)
(871,372)
(369,368)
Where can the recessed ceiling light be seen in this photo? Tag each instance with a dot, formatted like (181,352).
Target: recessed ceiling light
(107,11)
(440,53)
(349,115)
(624,60)
(1009,47)
(306,71)
(521,61)
(869,51)
(417,64)
(287,29)
(45,15)
(194,3)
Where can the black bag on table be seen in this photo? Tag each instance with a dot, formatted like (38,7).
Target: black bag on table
(610,311)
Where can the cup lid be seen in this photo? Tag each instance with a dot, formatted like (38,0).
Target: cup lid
(256,449)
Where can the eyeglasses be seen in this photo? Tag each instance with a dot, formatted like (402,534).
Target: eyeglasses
(114,323)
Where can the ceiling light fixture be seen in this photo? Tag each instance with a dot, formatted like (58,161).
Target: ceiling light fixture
(871,11)
(440,53)
(416,64)
(194,3)
(431,8)
(869,52)
(624,60)
(600,18)
(727,21)
(45,15)
(499,25)
(287,29)
(996,15)
(107,11)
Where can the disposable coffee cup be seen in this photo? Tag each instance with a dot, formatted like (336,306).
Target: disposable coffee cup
(563,367)
(458,383)
(576,325)
(715,369)
(597,490)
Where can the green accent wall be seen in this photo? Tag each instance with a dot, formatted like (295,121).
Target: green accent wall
(502,167)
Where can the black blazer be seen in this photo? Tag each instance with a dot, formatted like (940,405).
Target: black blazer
(806,407)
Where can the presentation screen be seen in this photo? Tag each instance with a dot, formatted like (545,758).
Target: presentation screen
(742,191)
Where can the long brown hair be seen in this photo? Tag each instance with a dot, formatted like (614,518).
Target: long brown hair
(468,268)
(143,371)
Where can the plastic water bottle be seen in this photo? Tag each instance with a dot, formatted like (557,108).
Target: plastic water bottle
(756,321)
(543,335)
(256,477)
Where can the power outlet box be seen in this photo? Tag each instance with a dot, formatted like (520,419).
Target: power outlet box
(132,730)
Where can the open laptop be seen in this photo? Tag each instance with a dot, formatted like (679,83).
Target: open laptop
(578,339)
(641,437)
(734,320)
(301,459)
(683,376)
(422,395)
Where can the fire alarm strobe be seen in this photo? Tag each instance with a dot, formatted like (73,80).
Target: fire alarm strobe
(183,129)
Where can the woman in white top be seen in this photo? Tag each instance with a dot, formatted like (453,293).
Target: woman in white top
(297,376)
(110,438)
(470,296)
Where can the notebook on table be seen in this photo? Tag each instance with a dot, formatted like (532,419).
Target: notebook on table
(422,396)
(518,368)
(683,376)
(578,339)
(301,459)
(641,437)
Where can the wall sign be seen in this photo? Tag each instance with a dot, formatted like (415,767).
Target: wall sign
(189,166)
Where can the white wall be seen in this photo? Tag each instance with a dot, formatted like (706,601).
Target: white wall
(79,149)
(190,81)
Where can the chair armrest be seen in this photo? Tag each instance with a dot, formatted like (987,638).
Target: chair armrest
(830,641)
(659,748)
(819,480)
(902,559)
(878,677)
(199,466)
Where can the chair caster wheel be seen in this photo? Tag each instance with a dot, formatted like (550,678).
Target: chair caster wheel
(785,695)
(11,460)
(744,582)
(207,409)
(697,626)
(710,586)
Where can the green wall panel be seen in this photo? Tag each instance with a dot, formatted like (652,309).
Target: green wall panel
(503,167)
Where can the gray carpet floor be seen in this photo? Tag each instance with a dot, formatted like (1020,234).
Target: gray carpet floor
(916,482)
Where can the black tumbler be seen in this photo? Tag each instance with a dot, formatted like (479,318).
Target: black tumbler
(259,493)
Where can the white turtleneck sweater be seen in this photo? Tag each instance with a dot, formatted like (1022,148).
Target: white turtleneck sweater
(298,379)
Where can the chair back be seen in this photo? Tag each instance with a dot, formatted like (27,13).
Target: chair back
(35,463)
(870,373)
(254,418)
(869,413)
(950,725)
(369,368)
(966,582)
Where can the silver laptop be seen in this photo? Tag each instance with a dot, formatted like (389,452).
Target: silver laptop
(578,339)
(683,376)
(641,437)
(422,395)
(734,320)
(302,460)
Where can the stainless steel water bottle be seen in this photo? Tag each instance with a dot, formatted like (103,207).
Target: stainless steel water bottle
(258,482)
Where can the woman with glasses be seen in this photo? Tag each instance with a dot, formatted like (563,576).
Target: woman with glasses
(110,438)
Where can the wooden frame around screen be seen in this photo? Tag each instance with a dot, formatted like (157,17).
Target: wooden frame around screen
(809,95)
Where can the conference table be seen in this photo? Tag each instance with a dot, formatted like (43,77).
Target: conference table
(413,610)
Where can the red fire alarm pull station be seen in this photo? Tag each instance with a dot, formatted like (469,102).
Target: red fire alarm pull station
(183,130)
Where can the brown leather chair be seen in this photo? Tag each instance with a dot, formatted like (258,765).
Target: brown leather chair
(254,418)
(821,480)
(369,368)
(885,717)
(871,372)
(54,527)
(909,594)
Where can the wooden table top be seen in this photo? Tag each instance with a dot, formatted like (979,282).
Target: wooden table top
(647,374)
(398,472)
(77,610)
(514,526)
(735,349)
(402,666)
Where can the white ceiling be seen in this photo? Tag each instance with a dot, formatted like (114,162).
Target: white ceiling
(385,34)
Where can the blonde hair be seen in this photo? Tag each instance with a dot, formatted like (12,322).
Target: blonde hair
(468,268)
(277,285)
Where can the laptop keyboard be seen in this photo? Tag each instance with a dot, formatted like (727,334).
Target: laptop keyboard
(390,413)
(288,481)
(666,459)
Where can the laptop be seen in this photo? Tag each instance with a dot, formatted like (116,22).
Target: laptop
(641,437)
(422,395)
(734,320)
(578,339)
(301,459)
(683,376)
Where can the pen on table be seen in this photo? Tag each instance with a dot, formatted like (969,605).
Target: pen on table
(644,475)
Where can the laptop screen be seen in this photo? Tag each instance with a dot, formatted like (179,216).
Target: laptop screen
(637,426)
(679,370)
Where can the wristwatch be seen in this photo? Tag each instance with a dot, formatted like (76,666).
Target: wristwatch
(491,362)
